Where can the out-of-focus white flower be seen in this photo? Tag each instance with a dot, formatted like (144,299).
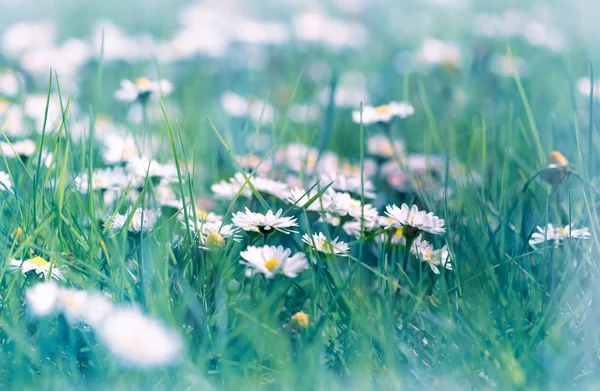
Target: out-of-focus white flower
(142,220)
(83,306)
(383,114)
(37,264)
(271,260)
(138,340)
(41,298)
(300,198)
(5,181)
(380,145)
(23,36)
(142,89)
(119,148)
(304,113)
(557,234)
(319,242)
(23,149)
(584,86)
(229,189)
(344,96)
(10,83)
(502,65)
(11,119)
(264,223)
(337,34)
(103,179)
(434,52)
(35,108)
(544,35)
(251,163)
(350,183)
(142,167)
(298,157)
(414,219)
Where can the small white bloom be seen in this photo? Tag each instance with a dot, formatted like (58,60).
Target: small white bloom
(264,223)
(319,242)
(271,260)
(204,228)
(416,219)
(557,234)
(37,264)
(42,297)
(383,114)
(103,179)
(138,340)
(143,220)
(142,89)
(434,258)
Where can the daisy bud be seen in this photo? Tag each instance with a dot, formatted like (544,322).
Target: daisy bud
(17,234)
(557,158)
(557,169)
(215,241)
(299,320)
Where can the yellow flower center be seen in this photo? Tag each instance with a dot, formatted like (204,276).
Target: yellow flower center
(201,214)
(300,319)
(271,264)
(385,109)
(38,261)
(326,247)
(143,83)
(399,233)
(215,240)
(565,231)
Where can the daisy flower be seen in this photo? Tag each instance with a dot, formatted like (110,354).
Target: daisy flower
(271,260)
(557,234)
(143,220)
(342,204)
(37,264)
(119,148)
(138,340)
(414,220)
(270,187)
(142,89)
(319,242)
(354,228)
(434,258)
(264,223)
(380,146)
(383,114)
(203,229)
